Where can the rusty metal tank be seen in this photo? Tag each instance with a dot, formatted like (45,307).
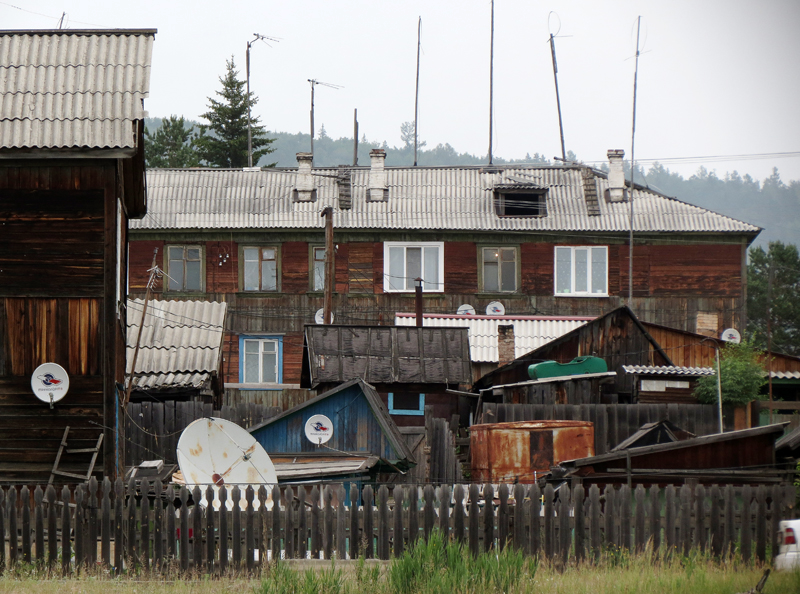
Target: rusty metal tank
(522,450)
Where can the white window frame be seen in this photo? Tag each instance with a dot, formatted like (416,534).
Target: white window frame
(390,279)
(573,292)
(261,340)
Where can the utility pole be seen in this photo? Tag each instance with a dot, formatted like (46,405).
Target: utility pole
(558,97)
(330,270)
(769,333)
(355,137)
(416,95)
(491,85)
(314,82)
(154,274)
(249,126)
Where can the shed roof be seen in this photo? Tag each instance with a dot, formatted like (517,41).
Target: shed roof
(181,343)
(387,354)
(70,88)
(530,332)
(668,370)
(420,198)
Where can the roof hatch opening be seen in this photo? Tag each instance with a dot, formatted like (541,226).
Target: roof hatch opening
(516,201)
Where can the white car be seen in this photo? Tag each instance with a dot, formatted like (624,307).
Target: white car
(789,546)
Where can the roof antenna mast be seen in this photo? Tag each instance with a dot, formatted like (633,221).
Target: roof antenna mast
(555,76)
(491,84)
(633,166)
(263,38)
(416,95)
(314,82)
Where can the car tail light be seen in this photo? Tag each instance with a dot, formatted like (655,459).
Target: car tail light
(788,537)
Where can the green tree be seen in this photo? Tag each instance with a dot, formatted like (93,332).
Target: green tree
(171,145)
(226,146)
(785,262)
(742,374)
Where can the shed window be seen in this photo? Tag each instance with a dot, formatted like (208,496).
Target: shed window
(260,268)
(406,403)
(405,262)
(582,271)
(185,268)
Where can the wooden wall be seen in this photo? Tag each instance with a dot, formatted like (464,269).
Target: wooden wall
(58,297)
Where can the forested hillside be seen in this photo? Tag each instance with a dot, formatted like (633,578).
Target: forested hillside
(770,203)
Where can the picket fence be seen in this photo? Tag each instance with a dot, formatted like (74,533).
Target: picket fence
(74,530)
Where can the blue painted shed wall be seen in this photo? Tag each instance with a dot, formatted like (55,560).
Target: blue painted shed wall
(355,428)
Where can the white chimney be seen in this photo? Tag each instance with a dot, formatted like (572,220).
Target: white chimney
(304,186)
(616,176)
(377,176)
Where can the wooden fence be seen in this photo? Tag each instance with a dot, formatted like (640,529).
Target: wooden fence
(152,429)
(70,531)
(613,423)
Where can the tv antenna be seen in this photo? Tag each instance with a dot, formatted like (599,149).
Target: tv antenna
(263,38)
(555,76)
(314,82)
(633,165)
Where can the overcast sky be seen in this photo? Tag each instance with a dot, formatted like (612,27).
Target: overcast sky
(716,78)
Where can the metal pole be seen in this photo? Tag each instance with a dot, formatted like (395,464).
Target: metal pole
(150,282)
(312,121)
(329,265)
(491,85)
(418,301)
(416,95)
(633,168)
(769,335)
(719,390)
(249,126)
(558,98)
(355,137)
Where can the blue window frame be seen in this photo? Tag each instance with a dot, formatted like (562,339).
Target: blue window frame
(405,403)
(261,359)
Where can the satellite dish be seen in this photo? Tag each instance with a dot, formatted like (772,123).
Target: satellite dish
(50,383)
(319,317)
(731,335)
(466,310)
(319,429)
(217,452)
(495,308)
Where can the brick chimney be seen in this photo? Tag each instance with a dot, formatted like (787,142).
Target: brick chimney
(304,190)
(616,176)
(505,344)
(377,191)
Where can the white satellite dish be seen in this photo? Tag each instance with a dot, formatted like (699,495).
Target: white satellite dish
(465,310)
(731,335)
(495,308)
(50,383)
(217,452)
(319,317)
(319,429)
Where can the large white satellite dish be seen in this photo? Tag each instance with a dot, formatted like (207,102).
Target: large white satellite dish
(217,452)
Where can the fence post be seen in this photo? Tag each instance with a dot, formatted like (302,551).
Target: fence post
(276,524)
(700,518)
(184,539)
(594,521)
(578,499)
(669,519)
(92,511)
(686,518)
(458,514)
(52,531)
(549,527)
(249,530)
(625,517)
(715,531)
(288,515)
(316,545)
(327,541)
(131,527)
(488,518)
(144,510)
(444,512)
(638,528)
(38,496)
(171,532)
(609,513)
(729,534)
(66,550)
(222,514)
(502,517)
(383,522)
(655,517)
(427,511)
(302,522)
(354,535)
(341,523)
(564,533)
(399,496)
(747,526)
(473,519)
(211,539)
(25,496)
(519,518)
(236,532)
(197,530)
(775,518)
(536,513)
(761,523)
(13,539)
(413,515)
(3,529)
(263,523)
(369,548)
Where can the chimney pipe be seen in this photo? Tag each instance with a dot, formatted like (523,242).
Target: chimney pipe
(505,344)
(377,176)
(304,186)
(418,301)
(616,176)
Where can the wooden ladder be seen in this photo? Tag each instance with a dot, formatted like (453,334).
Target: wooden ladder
(64,449)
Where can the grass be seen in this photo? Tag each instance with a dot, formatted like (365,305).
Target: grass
(438,568)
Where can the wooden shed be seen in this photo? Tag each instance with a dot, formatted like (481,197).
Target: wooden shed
(71,176)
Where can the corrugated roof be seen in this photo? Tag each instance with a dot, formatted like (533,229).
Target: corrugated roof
(181,342)
(72,88)
(530,332)
(434,198)
(668,370)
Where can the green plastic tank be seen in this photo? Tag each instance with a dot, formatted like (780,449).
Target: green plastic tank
(578,366)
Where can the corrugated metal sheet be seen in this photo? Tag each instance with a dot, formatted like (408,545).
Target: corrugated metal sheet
(70,88)
(437,198)
(668,370)
(530,332)
(785,375)
(181,342)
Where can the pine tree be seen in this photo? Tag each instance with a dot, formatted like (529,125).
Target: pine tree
(227,121)
(171,145)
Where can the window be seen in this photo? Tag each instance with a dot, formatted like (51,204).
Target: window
(317,268)
(405,262)
(185,268)
(260,268)
(260,360)
(582,271)
(406,403)
(499,268)
(520,202)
